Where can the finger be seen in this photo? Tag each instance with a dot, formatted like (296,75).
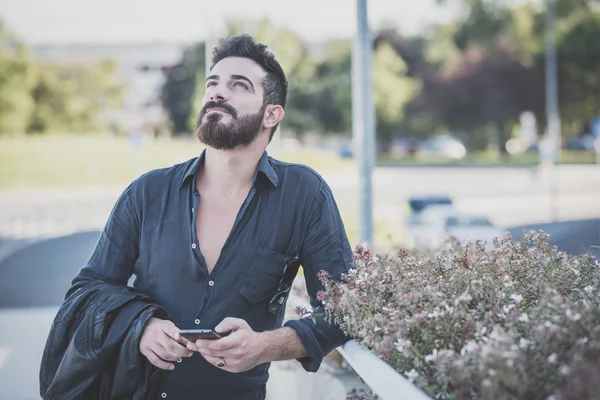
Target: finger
(164,353)
(158,362)
(192,346)
(215,361)
(175,348)
(231,324)
(227,343)
(183,341)
(172,331)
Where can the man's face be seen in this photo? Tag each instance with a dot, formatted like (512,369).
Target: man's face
(232,109)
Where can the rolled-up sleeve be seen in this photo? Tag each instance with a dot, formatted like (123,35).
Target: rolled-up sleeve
(117,249)
(325,247)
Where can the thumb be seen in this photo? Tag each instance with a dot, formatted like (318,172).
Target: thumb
(231,324)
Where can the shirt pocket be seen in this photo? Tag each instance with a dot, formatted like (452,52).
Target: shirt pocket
(263,276)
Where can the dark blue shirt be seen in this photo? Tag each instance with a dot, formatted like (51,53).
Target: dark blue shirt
(151,232)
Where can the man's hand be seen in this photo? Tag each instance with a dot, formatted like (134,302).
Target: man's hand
(160,343)
(241,350)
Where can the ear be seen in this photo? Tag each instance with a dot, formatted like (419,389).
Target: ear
(273,115)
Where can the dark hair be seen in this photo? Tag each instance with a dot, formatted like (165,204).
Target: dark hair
(275,85)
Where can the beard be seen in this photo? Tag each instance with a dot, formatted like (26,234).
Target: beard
(239,132)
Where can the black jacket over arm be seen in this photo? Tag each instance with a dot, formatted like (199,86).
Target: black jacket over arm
(92,350)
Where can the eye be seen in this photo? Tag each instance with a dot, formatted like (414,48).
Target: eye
(211,83)
(241,84)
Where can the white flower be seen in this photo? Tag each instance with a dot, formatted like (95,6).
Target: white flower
(583,340)
(377,329)
(400,344)
(412,375)
(516,297)
(552,358)
(507,308)
(469,347)
(432,356)
(572,317)
(564,369)
(483,330)
(589,289)
(465,297)
(524,317)
(510,363)
(524,343)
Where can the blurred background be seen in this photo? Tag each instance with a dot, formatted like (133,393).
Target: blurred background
(487,120)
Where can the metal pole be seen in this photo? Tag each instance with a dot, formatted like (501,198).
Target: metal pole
(552,111)
(363,118)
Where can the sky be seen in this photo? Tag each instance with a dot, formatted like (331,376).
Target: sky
(134,21)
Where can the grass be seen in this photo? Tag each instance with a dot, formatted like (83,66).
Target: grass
(490,158)
(89,160)
(86,160)
(386,234)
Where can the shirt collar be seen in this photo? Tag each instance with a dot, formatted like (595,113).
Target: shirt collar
(264,167)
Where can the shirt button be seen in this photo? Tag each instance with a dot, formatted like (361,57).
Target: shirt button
(192,209)
(163,395)
(211,283)
(179,361)
(197,322)
(193,245)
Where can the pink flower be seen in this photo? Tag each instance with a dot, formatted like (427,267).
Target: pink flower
(321,295)
(322,274)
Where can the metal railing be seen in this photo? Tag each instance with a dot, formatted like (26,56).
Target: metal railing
(381,378)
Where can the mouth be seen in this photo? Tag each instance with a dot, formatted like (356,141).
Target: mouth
(216,109)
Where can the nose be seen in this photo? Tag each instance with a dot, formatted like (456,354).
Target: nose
(217,93)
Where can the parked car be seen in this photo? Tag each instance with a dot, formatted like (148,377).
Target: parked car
(583,142)
(444,146)
(346,151)
(402,147)
(416,204)
(440,222)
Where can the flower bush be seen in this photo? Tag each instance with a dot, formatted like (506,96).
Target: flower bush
(519,320)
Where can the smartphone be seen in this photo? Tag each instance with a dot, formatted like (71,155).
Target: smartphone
(194,334)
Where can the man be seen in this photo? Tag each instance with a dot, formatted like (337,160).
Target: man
(208,241)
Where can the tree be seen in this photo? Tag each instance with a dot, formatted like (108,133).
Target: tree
(501,26)
(393,89)
(17,76)
(71,97)
(475,90)
(578,53)
(183,89)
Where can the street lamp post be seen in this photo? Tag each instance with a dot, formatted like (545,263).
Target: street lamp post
(552,111)
(363,118)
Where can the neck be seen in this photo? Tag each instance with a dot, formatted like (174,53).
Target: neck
(229,171)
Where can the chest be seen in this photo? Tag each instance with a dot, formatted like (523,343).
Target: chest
(214,222)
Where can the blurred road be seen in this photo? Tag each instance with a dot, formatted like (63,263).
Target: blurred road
(509,196)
